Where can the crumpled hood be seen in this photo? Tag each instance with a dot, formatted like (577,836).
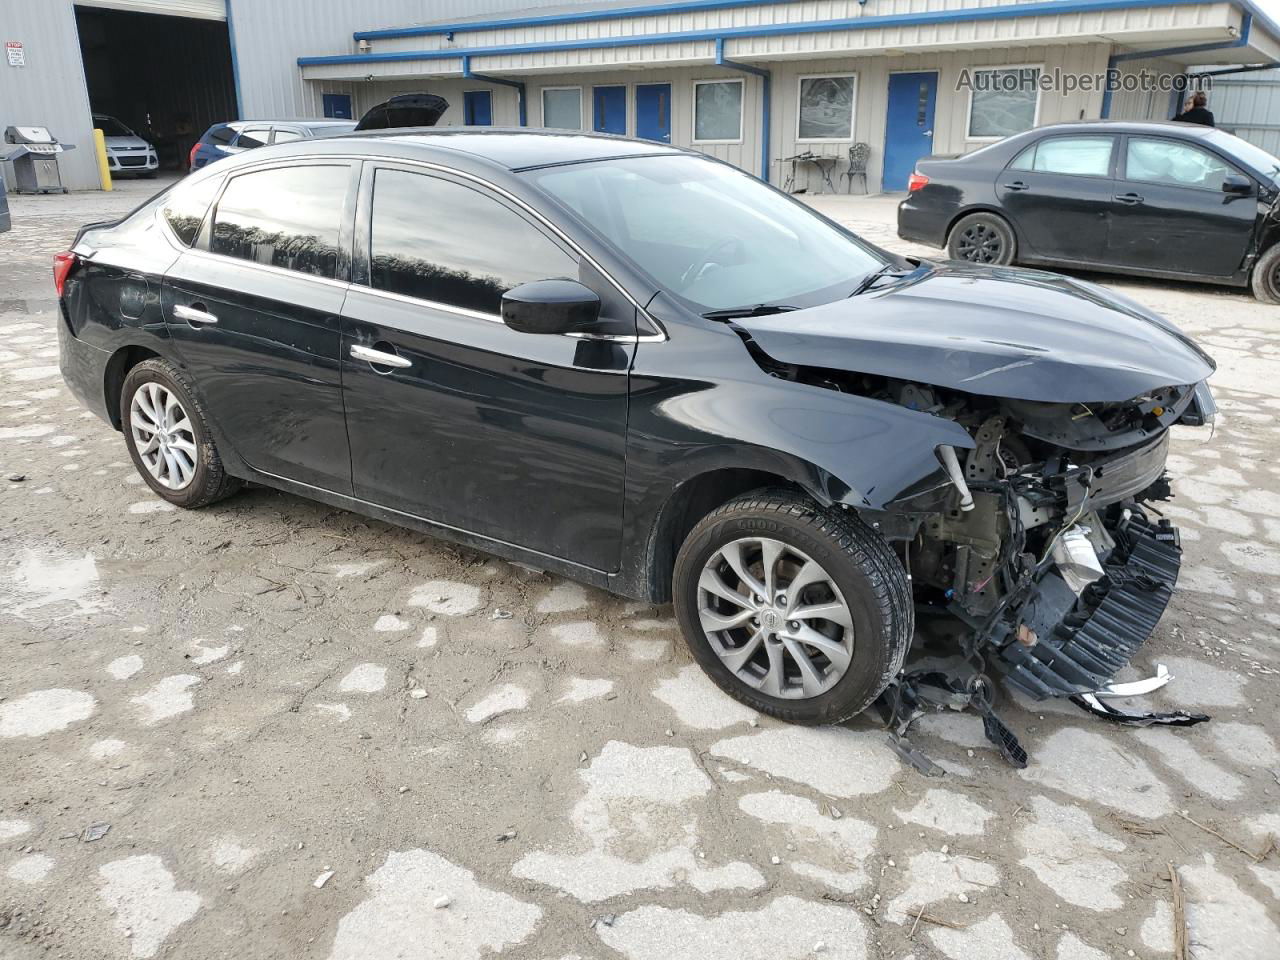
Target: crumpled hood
(993,331)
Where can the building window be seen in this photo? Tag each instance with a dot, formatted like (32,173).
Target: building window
(562,108)
(1002,101)
(717,111)
(826,108)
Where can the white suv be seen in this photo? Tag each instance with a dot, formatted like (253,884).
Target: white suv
(126,151)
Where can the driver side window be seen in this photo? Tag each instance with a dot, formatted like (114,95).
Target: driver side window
(1148,160)
(438,240)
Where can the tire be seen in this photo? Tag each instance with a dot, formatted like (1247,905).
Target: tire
(1266,276)
(983,238)
(860,570)
(186,469)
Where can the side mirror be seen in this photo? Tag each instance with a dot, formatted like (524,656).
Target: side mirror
(550,306)
(1237,185)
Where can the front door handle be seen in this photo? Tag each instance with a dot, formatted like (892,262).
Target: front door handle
(195,314)
(379,357)
(1130,199)
(1016,185)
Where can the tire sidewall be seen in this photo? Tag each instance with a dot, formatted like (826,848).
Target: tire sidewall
(997,224)
(156,371)
(1266,276)
(861,682)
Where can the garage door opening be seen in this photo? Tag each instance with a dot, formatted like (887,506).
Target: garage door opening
(166,78)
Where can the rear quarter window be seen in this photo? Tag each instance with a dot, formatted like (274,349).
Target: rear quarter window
(185,207)
(221,135)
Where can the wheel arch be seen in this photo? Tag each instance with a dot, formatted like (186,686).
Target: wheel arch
(118,367)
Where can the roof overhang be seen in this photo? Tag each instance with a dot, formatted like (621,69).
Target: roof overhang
(534,45)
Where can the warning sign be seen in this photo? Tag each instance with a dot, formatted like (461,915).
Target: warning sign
(16,55)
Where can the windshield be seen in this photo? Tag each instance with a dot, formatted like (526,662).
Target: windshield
(1256,157)
(710,233)
(111,127)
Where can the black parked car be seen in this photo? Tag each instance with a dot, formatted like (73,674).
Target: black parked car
(646,370)
(1173,200)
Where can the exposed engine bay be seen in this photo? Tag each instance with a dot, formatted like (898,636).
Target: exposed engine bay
(1040,542)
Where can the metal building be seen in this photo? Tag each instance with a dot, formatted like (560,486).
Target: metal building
(755,82)
(1248,105)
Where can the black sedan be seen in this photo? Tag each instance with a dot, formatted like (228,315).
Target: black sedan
(647,370)
(1171,200)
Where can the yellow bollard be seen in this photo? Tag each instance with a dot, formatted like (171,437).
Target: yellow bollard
(104,171)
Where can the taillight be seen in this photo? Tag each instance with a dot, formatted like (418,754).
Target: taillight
(62,264)
(916,181)
(191,158)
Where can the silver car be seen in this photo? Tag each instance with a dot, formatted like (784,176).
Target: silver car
(126,151)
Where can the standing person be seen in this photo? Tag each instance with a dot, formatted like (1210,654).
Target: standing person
(1196,111)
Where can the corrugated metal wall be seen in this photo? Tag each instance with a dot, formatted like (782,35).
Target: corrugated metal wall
(1248,105)
(203,9)
(270,35)
(50,89)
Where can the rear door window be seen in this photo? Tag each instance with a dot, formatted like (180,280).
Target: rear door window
(284,135)
(467,253)
(286,217)
(1069,156)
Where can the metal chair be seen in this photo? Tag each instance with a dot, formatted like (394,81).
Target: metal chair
(859,153)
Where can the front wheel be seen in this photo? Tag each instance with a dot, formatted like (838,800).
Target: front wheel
(982,238)
(1266,276)
(801,613)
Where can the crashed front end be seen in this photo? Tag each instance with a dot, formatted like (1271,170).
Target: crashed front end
(1042,543)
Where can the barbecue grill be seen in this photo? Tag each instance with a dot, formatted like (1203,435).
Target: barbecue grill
(35,159)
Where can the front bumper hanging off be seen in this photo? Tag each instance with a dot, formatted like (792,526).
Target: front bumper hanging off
(1080,650)
(1065,645)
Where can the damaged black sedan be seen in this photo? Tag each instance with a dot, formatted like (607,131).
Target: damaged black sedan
(648,371)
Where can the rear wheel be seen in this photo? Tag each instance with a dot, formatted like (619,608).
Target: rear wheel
(982,238)
(168,436)
(1266,276)
(801,613)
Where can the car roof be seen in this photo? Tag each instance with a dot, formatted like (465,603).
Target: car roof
(513,148)
(1129,126)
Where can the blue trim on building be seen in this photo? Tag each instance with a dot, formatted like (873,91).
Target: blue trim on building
(235,62)
(766,105)
(519,85)
(1246,27)
(1012,11)
(550,19)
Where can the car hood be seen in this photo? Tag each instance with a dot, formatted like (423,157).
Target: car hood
(993,331)
(126,143)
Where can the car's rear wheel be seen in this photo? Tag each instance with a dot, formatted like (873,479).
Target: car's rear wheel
(1266,276)
(168,436)
(982,238)
(799,612)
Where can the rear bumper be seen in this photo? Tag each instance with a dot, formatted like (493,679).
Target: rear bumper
(1079,645)
(918,222)
(84,368)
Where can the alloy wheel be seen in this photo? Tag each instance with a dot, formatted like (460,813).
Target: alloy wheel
(775,618)
(979,243)
(163,435)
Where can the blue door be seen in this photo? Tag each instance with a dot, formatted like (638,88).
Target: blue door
(337,106)
(909,134)
(653,111)
(477,108)
(609,113)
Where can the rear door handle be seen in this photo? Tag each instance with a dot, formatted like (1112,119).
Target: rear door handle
(194,314)
(1131,199)
(1016,185)
(379,357)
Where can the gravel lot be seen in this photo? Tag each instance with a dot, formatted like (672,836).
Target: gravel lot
(273,729)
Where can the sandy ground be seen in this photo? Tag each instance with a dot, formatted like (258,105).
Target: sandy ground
(271,729)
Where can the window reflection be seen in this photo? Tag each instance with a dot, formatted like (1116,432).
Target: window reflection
(286,217)
(438,240)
